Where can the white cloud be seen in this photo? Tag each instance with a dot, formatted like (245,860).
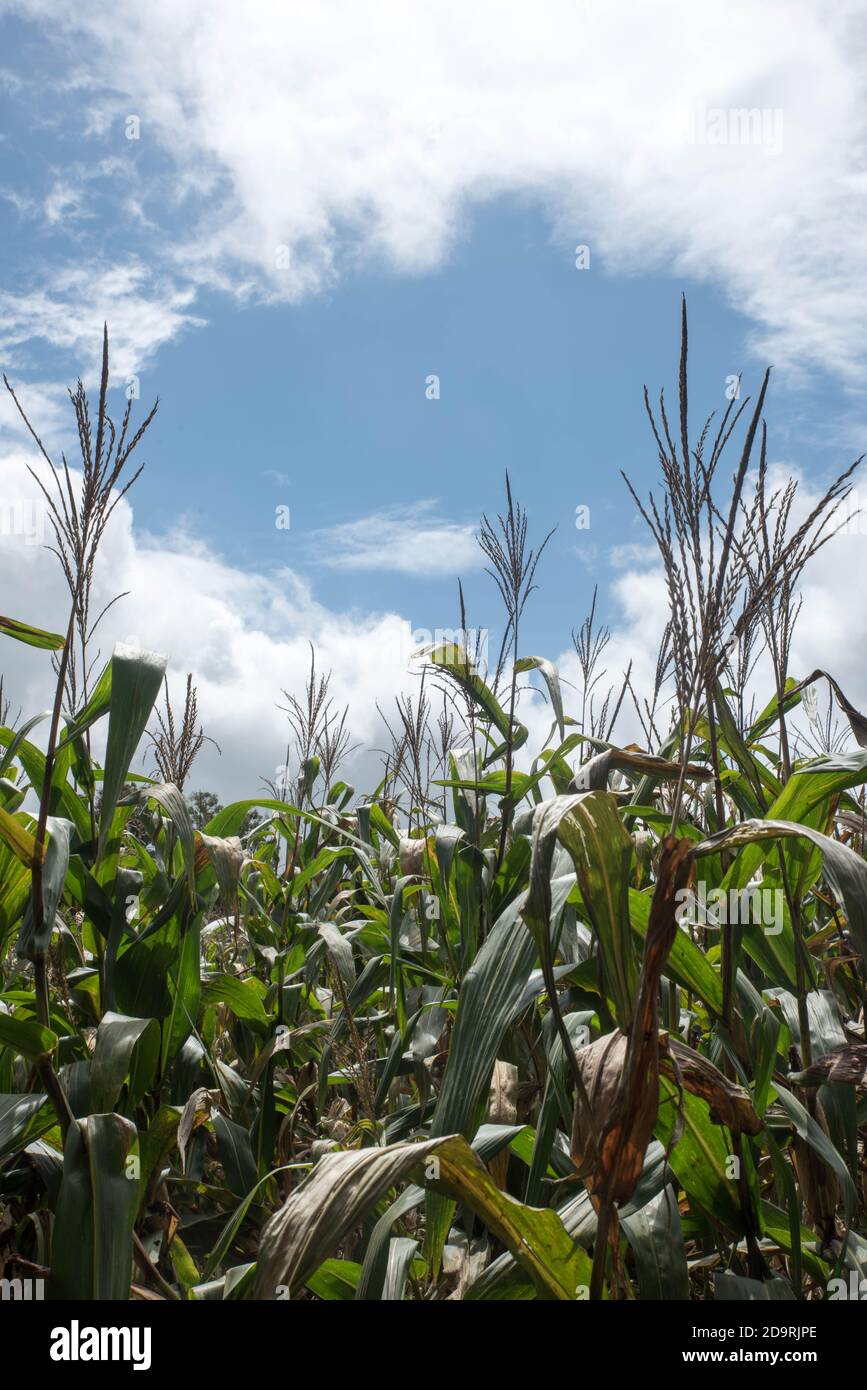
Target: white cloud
(405,540)
(633,554)
(64,203)
(69,309)
(68,198)
(47,407)
(243,635)
(347,132)
(344,129)
(830,634)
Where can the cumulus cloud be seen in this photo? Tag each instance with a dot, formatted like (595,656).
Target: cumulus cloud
(244,636)
(288,148)
(723,142)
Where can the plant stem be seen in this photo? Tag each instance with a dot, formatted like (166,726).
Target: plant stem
(55,1092)
(600,1250)
(506,809)
(800,963)
(44,1065)
(37,898)
(726,945)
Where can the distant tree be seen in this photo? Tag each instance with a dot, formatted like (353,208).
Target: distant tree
(141,822)
(250,821)
(205,805)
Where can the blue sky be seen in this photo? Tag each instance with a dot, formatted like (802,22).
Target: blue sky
(540,369)
(541,372)
(323,406)
(422,239)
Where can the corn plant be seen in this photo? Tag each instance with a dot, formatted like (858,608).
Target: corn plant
(570,1022)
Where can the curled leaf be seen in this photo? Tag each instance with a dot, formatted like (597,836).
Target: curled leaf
(621,1071)
(729,1103)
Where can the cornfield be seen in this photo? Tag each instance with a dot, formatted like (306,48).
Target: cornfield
(573,1022)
